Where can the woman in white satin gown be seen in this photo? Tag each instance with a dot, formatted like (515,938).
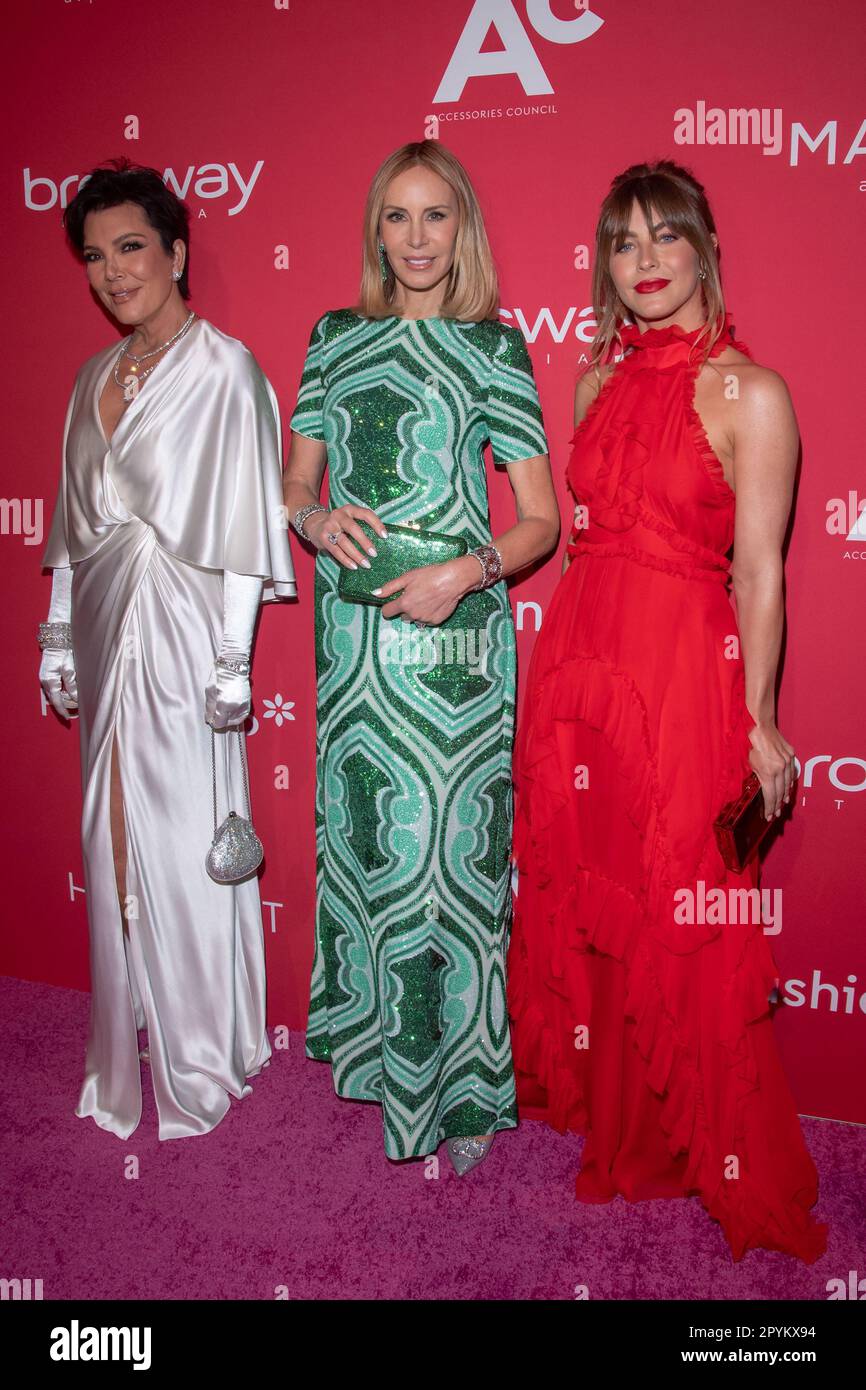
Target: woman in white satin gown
(167,534)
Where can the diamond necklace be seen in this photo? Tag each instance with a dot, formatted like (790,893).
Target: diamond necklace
(130,388)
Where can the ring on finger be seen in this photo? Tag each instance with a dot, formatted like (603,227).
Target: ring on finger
(331,536)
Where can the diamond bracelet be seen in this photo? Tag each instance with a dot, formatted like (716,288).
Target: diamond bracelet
(491,565)
(238,665)
(55,636)
(301,515)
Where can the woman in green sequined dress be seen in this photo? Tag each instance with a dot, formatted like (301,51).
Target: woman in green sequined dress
(416,698)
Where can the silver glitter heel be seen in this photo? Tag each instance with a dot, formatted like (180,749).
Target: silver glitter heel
(466,1153)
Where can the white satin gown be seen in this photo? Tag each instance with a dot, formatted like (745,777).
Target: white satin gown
(189,485)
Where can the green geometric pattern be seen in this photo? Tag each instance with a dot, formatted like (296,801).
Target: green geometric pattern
(414,733)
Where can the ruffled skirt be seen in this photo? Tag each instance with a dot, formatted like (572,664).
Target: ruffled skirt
(636,1021)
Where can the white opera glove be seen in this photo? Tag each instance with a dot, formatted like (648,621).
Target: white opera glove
(57,668)
(228,694)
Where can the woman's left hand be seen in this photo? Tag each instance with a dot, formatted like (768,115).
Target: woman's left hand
(227,698)
(772,758)
(430,593)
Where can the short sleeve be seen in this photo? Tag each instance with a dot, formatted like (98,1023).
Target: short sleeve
(514,418)
(307,417)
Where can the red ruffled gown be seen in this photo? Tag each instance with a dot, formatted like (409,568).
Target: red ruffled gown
(635,734)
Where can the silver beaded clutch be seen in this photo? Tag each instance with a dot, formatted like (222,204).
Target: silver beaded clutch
(236,850)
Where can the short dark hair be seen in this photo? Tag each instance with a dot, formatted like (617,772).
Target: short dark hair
(120,181)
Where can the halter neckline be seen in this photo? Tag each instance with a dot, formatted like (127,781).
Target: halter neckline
(672,335)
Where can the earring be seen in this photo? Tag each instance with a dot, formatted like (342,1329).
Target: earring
(383,264)
(702,274)
(175,275)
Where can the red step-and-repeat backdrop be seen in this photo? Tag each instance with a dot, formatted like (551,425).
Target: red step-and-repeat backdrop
(270,117)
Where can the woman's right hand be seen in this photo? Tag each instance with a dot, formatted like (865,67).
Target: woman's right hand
(57,678)
(342,522)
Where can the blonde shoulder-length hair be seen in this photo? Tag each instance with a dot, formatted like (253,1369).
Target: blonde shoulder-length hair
(666,192)
(472,291)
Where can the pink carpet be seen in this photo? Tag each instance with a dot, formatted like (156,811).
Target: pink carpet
(293,1188)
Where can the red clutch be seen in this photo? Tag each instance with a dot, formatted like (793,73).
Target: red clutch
(741,825)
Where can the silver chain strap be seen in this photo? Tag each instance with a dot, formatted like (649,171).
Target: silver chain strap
(243,766)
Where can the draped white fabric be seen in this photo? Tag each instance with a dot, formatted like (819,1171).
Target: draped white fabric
(188,486)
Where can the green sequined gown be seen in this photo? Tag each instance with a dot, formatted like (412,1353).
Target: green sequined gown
(414,733)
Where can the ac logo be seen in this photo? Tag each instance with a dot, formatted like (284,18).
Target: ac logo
(517,54)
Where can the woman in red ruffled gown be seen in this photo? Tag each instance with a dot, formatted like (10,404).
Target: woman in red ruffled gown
(650,697)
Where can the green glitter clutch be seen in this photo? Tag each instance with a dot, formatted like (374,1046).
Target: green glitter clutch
(404,548)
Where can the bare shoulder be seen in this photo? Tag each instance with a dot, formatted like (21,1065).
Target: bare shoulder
(591,381)
(764,388)
(743,379)
(589,384)
(737,398)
